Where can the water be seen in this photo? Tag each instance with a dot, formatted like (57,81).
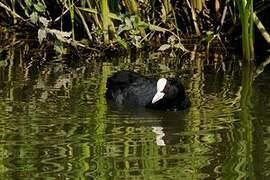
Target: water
(56,124)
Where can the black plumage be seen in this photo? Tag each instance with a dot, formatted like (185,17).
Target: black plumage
(128,88)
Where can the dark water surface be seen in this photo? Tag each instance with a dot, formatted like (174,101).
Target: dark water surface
(56,124)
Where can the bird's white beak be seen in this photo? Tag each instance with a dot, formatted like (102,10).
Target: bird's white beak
(158,96)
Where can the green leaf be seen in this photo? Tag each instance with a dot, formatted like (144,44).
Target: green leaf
(157,28)
(34,17)
(27,8)
(61,35)
(94,11)
(128,23)
(44,21)
(180,46)
(142,24)
(115,16)
(171,39)
(58,47)
(42,34)
(164,47)
(91,10)
(122,42)
(28,3)
(40,7)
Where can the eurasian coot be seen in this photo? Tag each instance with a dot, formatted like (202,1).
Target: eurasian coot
(132,89)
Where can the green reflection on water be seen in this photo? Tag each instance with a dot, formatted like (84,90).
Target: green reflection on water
(55,122)
(240,163)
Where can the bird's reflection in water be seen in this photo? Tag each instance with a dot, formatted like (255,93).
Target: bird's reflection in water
(167,125)
(159,135)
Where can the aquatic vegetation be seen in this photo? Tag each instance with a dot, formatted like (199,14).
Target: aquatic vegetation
(245,9)
(55,120)
(138,24)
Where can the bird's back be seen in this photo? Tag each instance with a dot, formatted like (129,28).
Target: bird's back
(122,79)
(130,88)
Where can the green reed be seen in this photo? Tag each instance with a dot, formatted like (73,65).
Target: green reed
(245,8)
(71,11)
(106,20)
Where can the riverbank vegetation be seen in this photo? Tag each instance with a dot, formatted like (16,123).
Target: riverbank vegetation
(163,25)
(53,86)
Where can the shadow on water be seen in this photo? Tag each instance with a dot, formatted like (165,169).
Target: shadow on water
(56,123)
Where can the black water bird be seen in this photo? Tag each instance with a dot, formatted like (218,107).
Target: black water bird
(128,88)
